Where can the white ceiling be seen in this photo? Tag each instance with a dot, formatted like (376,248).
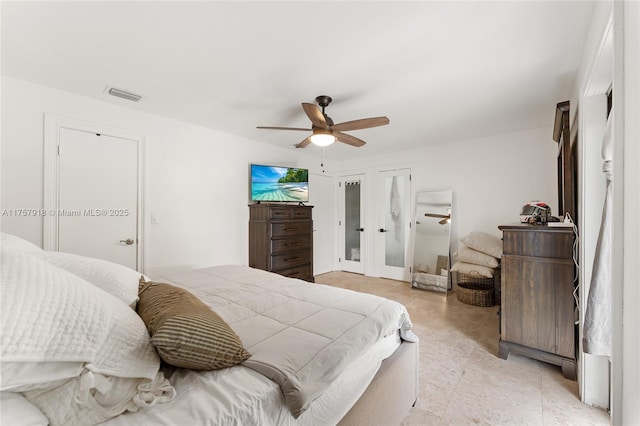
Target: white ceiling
(441,71)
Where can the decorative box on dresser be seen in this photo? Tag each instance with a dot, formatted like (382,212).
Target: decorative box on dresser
(281,239)
(537,302)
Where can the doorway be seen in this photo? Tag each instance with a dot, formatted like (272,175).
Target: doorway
(351,223)
(93,192)
(593,370)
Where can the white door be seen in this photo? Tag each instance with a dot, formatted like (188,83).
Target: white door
(98,196)
(321,197)
(351,223)
(393,204)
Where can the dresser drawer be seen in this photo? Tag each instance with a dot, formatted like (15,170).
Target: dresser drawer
(300,214)
(296,213)
(544,243)
(280,213)
(301,272)
(289,244)
(286,229)
(288,260)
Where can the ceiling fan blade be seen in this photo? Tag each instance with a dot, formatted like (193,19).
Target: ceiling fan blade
(282,128)
(363,123)
(315,115)
(348,139)
(442,216)
(304,143)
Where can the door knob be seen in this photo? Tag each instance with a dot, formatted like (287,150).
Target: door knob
(128,241)
(360,229)
(382,230)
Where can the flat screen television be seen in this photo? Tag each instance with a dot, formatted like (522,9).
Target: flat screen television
(279,184)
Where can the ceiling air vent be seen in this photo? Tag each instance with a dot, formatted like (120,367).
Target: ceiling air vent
(123,94)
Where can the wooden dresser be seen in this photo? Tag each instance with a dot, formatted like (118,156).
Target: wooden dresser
(281,239)
(537,306)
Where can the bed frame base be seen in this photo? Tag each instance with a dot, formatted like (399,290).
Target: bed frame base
(391,393)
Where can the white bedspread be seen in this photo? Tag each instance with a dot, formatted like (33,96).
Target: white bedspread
(300,335)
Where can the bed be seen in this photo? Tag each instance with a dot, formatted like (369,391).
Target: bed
(74,350)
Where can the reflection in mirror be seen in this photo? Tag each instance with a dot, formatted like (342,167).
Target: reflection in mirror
(431,241)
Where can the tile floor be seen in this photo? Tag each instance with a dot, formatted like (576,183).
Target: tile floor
(462,381)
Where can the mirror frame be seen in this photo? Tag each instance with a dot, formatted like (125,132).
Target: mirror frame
(428,280)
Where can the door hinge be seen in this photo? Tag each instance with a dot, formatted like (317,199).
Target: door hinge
(339,184)
(339,223)
(58,150)
(409,178)
(339,260)
(409,269)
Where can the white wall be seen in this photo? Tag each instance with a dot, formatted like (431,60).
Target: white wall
(491,179)
(196,178)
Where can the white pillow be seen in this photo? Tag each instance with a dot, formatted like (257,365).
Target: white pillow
(471,269)
(17,411)
(49,315)
(111,277)
(484,242)
(21,376)
(469,255)
(8,241)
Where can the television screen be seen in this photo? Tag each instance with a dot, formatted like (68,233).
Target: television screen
(272,183)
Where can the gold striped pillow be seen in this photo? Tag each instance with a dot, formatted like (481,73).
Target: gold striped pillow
(186,332)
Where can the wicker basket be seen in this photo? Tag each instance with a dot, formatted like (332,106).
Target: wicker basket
(475,290)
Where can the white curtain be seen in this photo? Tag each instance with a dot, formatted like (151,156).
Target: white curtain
(597,323)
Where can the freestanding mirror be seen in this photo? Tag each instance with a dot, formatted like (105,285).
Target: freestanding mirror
(431,240)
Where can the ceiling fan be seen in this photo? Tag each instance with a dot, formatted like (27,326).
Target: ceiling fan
(446,218)
(324,131)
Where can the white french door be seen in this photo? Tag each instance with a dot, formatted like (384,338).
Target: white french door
(351,223)
(393,205)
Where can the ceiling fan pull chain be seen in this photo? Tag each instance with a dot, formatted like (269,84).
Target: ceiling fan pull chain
(322,159)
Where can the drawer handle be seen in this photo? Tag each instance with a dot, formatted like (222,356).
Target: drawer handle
(289,259)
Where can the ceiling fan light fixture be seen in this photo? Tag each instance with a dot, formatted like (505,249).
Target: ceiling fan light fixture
(321,137)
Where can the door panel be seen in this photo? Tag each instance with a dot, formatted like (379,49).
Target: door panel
(321,197)
(351,224)
(394,223)
(98,196)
